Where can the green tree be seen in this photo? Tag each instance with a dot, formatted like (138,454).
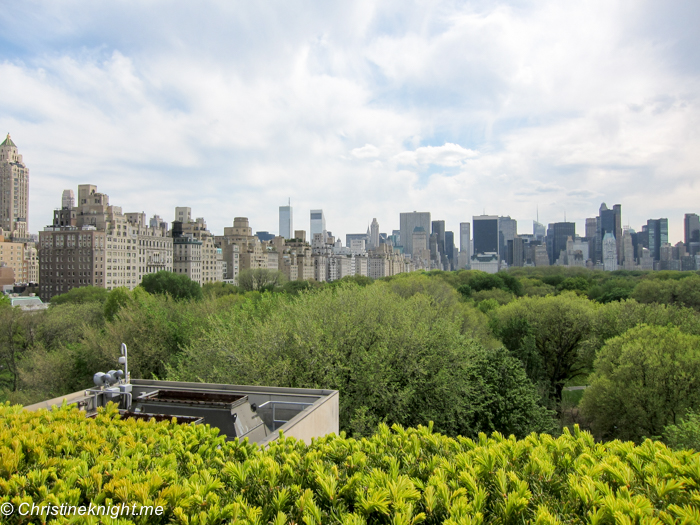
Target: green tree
(17,332)
(260,279)
(176,285)
(84,294)
(562,327)
(643,381)
(686,434)
(404,359)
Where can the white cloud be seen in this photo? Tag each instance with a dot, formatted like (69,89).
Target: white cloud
(448,155)
(233,108)
(366,152)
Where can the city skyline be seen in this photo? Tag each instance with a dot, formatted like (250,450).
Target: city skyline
(363,111)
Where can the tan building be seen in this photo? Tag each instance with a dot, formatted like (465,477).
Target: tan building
(91,244)
(14,191)
(155,245)
(21,257)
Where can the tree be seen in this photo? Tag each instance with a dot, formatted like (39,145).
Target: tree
(685,434)
(562,327)
(259,279)
(643,381)
(393,358)
(176,285)
(81,295)
(17,332)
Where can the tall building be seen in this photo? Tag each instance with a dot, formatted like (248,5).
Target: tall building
(464,244)
(68,199)
(408,222)
(14,191)
(691,224)
(657,231)
(318,223)
(538,230)
(591,228)
(485,234)
(609,252)
(507,230)
(286,222)
(450,249)
(374,234)
(609,221)
(183,214)
(561,231)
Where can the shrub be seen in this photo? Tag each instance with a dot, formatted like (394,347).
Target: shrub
(396,476)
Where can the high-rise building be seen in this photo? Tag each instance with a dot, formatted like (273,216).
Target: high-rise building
(561,231)
(657,231)
(538,231)
(609,252)
(183,214)
(14,191)
(591,228)
(450,249)
(485,234)
(67,199)
(374,234)
(408,222)
(692,233)
(286,222)
(318,223)
(609,221)
(507,230)
(464,244)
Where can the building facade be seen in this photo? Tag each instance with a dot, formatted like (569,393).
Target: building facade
(14,191)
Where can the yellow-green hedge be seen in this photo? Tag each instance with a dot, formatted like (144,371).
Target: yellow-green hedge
(399,476)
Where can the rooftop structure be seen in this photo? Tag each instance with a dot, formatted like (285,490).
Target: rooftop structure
(254,412)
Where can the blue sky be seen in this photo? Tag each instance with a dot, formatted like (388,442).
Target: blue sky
(365,110)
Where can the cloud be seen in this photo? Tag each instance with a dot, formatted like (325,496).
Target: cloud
(233,108)
(366,152)
(448,155)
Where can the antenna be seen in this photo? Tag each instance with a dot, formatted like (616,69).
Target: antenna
(538,213)
(123,360)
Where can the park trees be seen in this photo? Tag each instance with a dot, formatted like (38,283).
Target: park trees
(552,335)
(398,353)
(260,279)
(176,285)
(644,380)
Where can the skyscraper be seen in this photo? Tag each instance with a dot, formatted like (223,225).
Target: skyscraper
(286,222)
(438,230)
(657,230)
(374,234)
(14,191)
(507,230)
(561,231)
(485,234)
(692,232)
(318,223)
(408,222)
(67,199)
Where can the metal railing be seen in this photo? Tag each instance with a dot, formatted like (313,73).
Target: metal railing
(274,408)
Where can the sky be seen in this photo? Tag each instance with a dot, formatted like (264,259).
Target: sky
(363,109)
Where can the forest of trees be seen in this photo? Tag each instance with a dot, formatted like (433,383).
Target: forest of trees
(469,351)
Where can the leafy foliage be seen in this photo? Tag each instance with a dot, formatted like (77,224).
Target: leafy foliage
(685,434)
(260,279)
(394,360)
(645,379)
(83,294)
(562,328)
(397,476)
(177,285)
